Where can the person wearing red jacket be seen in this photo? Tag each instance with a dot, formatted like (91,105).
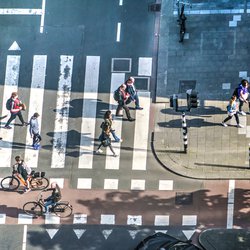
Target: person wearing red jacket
(15,110)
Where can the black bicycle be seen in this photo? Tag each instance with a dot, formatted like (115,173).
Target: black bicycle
(182,18)
(36,179)
(37,208)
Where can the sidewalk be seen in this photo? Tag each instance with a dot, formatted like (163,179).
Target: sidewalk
(212,61)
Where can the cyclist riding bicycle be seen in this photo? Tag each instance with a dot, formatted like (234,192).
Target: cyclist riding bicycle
(54,197)
(21,168)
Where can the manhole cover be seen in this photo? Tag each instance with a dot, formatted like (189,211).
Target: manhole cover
(183,198)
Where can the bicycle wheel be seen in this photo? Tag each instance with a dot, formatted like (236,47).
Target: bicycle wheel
(62,210)
(33,208)
(39,183)
(10,183)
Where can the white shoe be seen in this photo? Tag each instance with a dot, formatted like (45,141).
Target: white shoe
(242,113)
(224,124)
(240,126)
(99,151)
(121,140)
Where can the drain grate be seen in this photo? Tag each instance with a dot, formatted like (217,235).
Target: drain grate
(183,198)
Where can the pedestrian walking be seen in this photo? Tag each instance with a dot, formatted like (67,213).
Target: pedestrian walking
(105,142)
(243,95)
(232,110)
(107,124)
(15,106)
(121,96)
(132,91)
(34,131)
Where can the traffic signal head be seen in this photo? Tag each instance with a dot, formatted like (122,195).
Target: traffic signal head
(192,99)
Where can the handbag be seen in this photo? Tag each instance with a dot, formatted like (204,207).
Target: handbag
(106,142)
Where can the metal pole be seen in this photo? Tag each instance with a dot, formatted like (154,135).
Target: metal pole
(185,132)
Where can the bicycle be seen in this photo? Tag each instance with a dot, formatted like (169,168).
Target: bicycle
(37,208)
(182,18)
(37,181)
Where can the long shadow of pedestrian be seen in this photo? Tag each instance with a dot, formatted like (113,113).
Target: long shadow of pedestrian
(207,111)
(195,122)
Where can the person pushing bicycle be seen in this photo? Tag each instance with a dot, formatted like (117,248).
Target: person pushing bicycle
(21,168)
(54,197)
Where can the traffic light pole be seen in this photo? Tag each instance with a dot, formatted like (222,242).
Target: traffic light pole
(184,132)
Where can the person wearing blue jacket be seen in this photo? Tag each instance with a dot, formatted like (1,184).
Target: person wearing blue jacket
(232,110)
(131,90)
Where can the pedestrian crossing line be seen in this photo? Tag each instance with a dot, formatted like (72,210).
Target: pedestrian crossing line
(89,112)
(141,133)
(10,85)
(159,220)
(113,162)
(62,112)
(35,104)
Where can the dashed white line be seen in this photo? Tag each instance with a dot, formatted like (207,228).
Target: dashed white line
(24,237)
(120,2)
(118,33)
(230,204)
(42,16)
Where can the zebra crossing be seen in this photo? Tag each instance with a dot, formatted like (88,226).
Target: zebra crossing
(58,121)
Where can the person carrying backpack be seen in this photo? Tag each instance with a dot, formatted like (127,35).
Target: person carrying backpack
(20,167)
(15,106)
(121,96)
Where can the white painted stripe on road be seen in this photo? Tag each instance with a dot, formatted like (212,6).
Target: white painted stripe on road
(24,237)
(230,205)
(35,104)
(107,219)
(10,85)
(120,2)
(90,95)
(141,133)
(8,11)
(62,112)
(25,219)
(145,66)
(42,16)
(118,32)
(113,162)
(213,12)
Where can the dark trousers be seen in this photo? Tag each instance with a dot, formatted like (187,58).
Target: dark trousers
(230,117)
(36,139)
(13,117)
(125,107)
(110,146)
(241,104)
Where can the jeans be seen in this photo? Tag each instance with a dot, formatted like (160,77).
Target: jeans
(36,139)
(136,99)
(116,138)
(13,117)
(48,203)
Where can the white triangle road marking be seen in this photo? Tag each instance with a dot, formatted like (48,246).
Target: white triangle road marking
(14,46)
(79,232)
(188,233)
(52,232)
(106,233)
(133,233)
